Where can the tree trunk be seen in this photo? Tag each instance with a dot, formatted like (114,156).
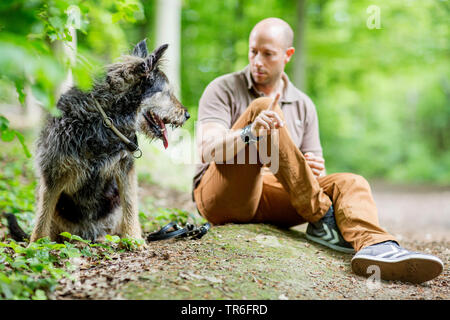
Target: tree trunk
(69,51)
(168,30)
(299,44)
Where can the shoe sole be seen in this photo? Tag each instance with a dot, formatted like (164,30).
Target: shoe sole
(329,245)
(414,268)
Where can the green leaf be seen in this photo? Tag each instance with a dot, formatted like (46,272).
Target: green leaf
(86,252)
(4,278)
(39,295)
(66,235)
(57,246)
(20,84)
(4,123)
(75,237)
(116,17)
(44,240)
(113,239)
(19,264)
(56,23)
(21,139)
(4,288)
(8,135)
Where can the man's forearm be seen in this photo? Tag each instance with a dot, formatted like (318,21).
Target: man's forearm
(223,148)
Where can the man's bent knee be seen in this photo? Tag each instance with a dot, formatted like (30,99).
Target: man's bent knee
(357,179)
(350,179)
(260,104)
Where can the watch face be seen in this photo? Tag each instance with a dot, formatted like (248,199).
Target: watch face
(246,134)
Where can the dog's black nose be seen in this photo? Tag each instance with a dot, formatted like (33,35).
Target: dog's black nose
(187,115)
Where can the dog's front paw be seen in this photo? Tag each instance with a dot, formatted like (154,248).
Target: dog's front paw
(131,233)
(142,245)
(34,237)
(133,243)
(101,239)
(134,236)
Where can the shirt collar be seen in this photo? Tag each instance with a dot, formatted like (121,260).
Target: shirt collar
(288,95)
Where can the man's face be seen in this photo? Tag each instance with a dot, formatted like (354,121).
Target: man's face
(267,56)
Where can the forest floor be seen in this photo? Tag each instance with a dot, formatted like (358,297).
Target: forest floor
(258,261)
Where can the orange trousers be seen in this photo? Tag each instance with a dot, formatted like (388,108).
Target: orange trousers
(244,193)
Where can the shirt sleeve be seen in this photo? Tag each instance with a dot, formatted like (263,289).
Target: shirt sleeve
(311,138)
(215,104)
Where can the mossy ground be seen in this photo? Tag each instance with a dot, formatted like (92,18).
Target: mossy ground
(240,262)
(253,261)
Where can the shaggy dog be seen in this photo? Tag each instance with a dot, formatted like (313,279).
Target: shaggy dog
(85,156)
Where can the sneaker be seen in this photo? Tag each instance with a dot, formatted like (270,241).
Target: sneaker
(397,263)
(326,232)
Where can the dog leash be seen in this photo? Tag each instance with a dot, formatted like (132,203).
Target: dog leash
(107,122)
(178,232)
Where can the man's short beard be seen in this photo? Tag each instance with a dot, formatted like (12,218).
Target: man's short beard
(270,81)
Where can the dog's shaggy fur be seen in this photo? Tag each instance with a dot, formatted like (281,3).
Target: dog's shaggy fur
(87,177)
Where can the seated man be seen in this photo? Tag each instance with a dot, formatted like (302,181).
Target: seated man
(238,113)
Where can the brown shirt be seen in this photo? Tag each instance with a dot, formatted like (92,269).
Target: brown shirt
(227,97)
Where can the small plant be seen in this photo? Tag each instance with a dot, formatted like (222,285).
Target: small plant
(125,243)
(32,272)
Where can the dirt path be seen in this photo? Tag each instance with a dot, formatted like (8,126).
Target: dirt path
(414,213)
(264,262)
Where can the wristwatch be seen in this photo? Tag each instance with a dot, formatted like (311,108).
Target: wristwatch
(247,135)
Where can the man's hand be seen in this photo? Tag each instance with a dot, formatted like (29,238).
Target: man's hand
(267,120)
(316,163)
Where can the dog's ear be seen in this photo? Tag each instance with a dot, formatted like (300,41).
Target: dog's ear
(140,50)
(160,51)
(155,56)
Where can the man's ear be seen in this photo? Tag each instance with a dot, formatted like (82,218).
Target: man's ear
(156,55)
(140,50)
(289,52)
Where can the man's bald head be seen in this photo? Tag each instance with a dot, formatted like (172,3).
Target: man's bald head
(277,28)
(269,49)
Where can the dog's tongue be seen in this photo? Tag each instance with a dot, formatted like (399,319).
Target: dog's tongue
(165,135)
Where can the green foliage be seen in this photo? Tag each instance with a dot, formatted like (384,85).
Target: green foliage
(215,39)
(7,135)
(153,218)
(17,188)
(381,94)
(33,272)
(32,34)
